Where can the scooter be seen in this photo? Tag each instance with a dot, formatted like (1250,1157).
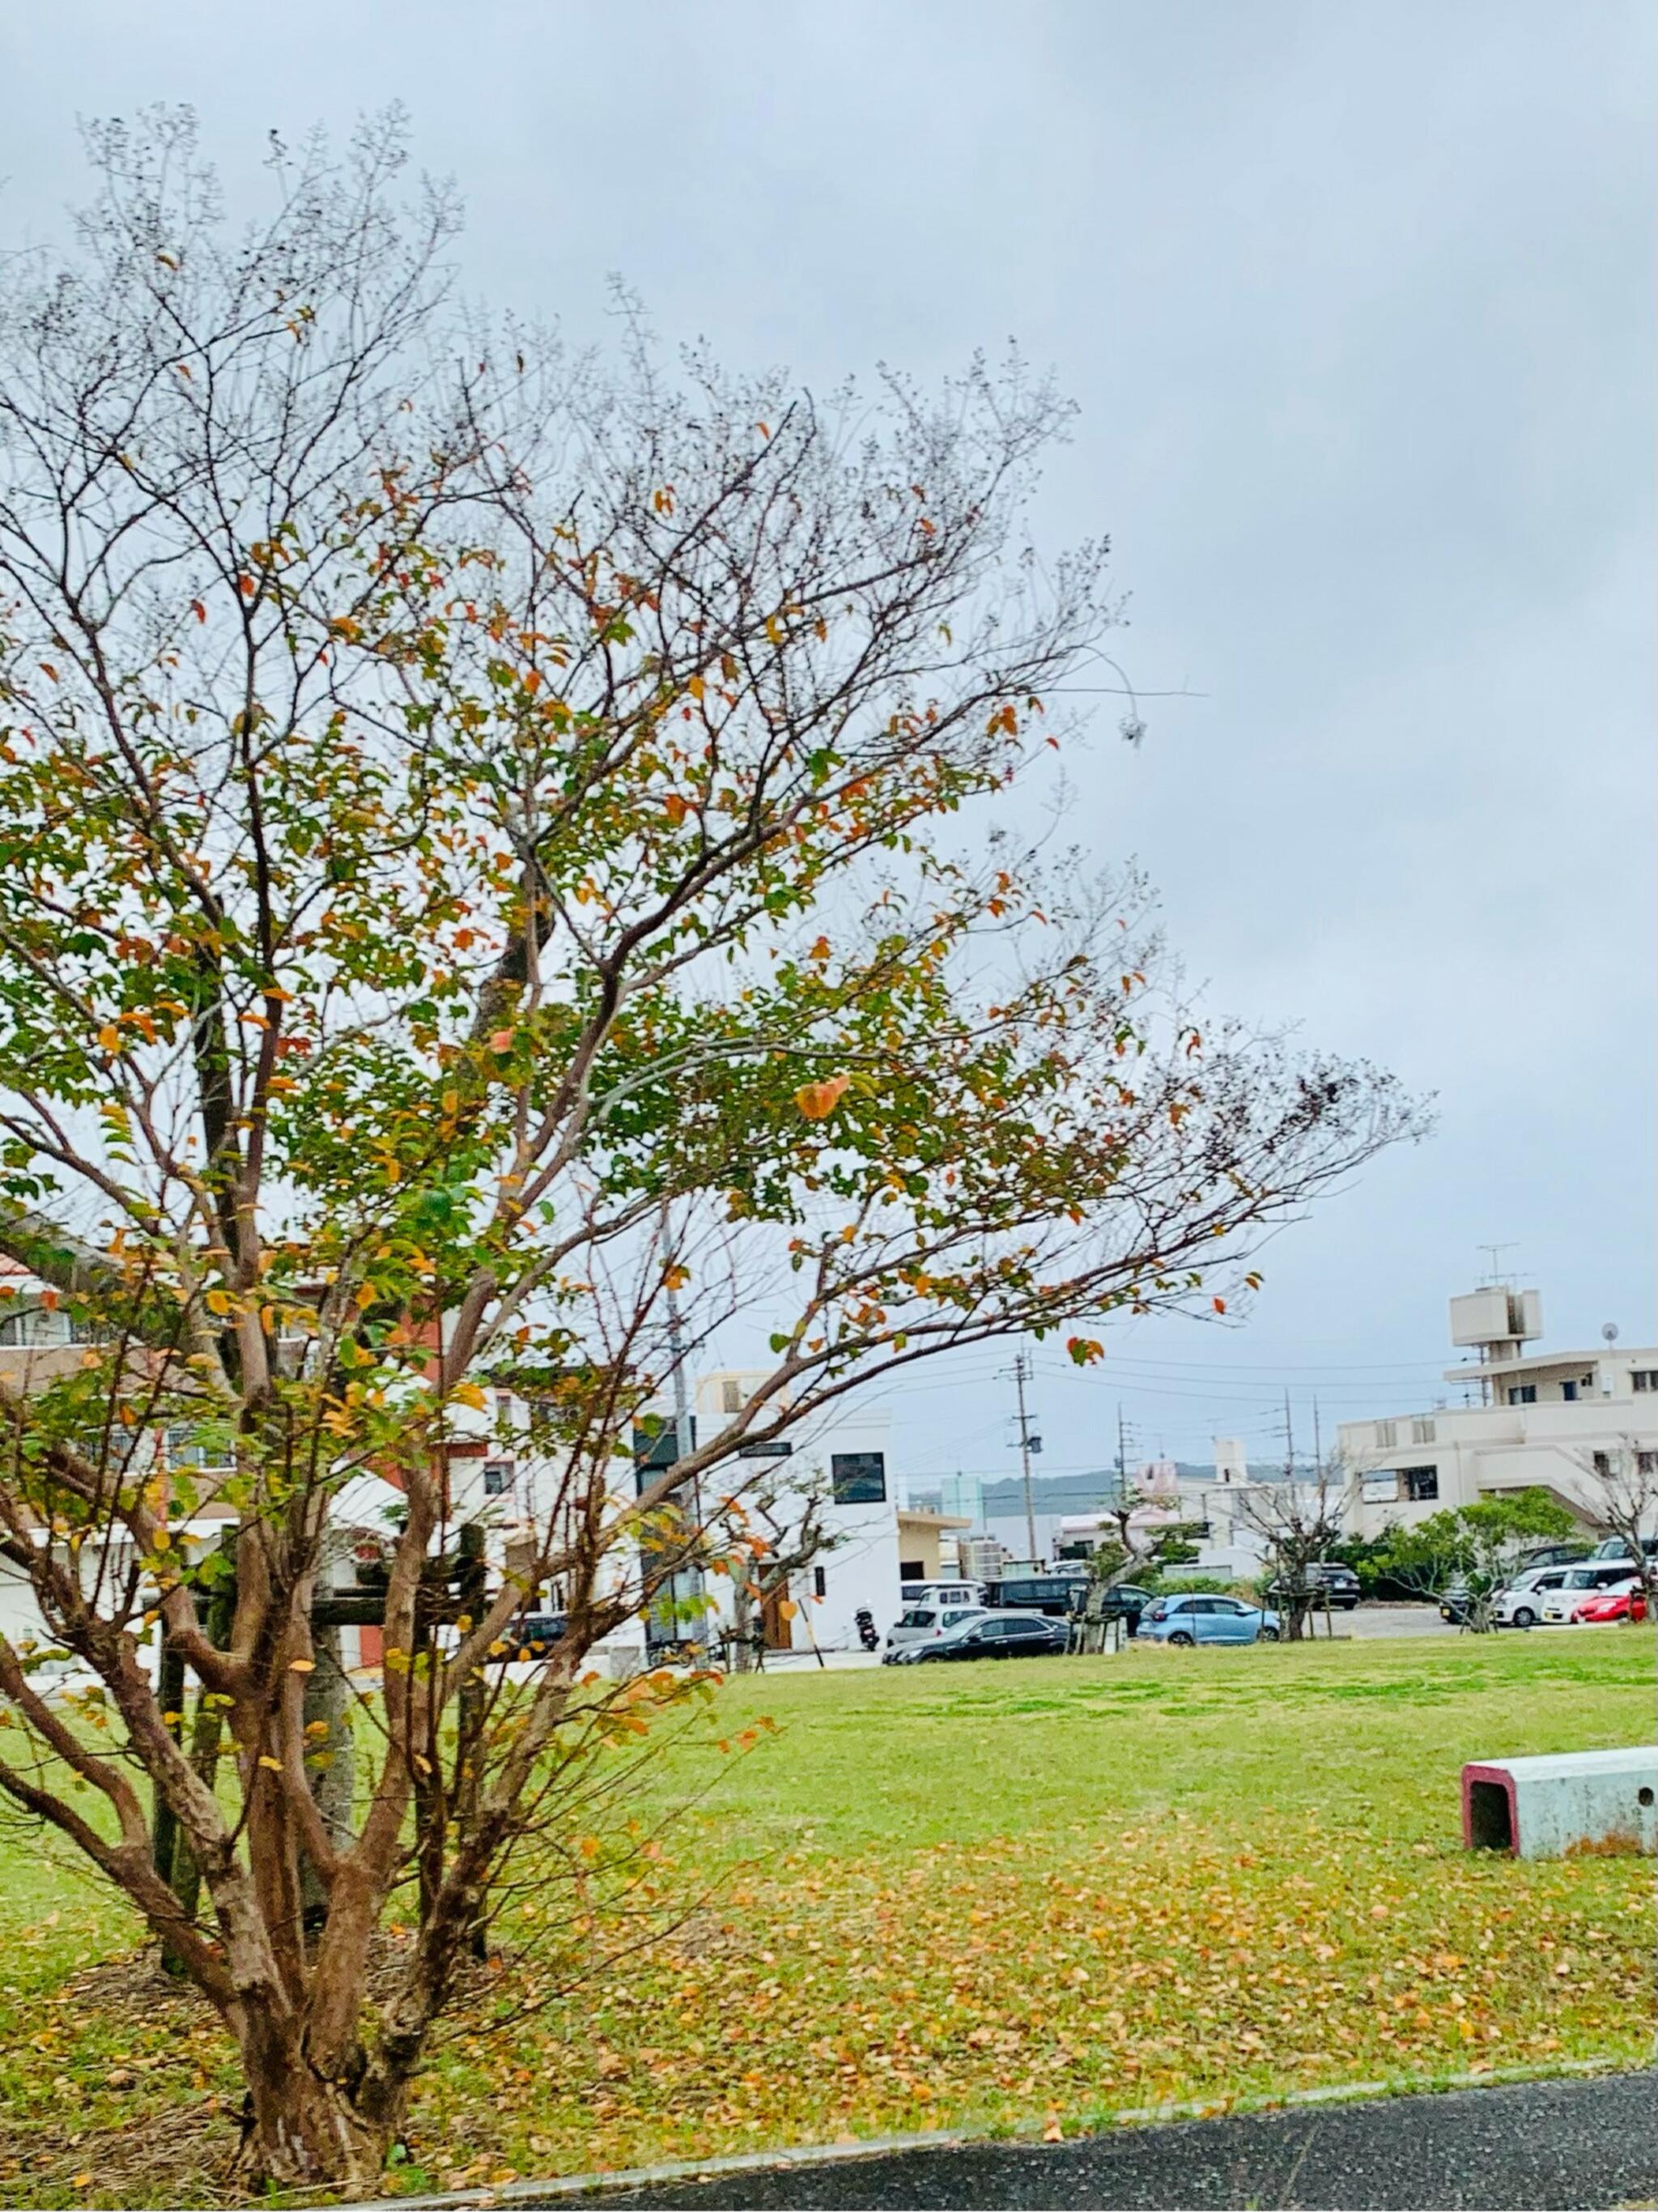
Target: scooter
(868,1634)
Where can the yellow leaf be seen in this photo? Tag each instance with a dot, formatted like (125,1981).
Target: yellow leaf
(301,1666)
(696,687)
(274,1764)
(216,1302)
(110,1037)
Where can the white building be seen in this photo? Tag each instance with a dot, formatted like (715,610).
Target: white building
(843,1459)
(1538,1421)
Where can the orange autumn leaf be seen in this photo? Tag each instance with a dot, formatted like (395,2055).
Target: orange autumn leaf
(817,1101)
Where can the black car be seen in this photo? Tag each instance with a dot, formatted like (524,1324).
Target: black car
(1121,1602)
(1015,1636)
(1326,1580)
(1046,1593)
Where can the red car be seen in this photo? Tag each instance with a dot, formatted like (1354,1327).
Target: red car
(1627,1603)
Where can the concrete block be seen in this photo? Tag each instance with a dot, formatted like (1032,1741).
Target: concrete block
(1575,1804)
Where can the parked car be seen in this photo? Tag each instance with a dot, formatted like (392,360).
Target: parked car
(1045,1594)
(955,1592)
(1623,1601)
(1560,1555)
(1325,1578)
(1614,1548)
(1200,1619)
(925,1624)
(991,1636)
(1121,1601)
(1518,1604)
(1586,1581)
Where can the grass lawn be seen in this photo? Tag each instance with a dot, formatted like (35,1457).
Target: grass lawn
(986,1896)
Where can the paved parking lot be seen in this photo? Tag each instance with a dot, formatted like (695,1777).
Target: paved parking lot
(1579,2143)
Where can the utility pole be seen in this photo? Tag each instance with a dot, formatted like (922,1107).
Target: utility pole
(1021,1372)
(1123,1441)
(1318,1445)
(1289,1442)
(684,1442)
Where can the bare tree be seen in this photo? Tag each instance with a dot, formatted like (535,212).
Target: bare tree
(1623,1485)
(783,1529)
(1296,1521)
(457,801)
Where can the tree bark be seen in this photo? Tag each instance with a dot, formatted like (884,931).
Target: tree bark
(301,2129)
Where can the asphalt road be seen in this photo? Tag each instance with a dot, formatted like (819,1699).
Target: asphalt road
(1561,2144)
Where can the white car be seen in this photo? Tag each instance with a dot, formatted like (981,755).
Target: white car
(1579,1582)
(1518,1604)
(920,1623)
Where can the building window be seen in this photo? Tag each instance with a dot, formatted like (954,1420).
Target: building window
(1601,1462)
(1421,1484)
(819,1582)
(730,1395)
(859,1477)
(1387,1435)
(1422,1432)
(1523,1394)
(1568,1391)
(1380,1488)
(1646,1464)
(1644,1378)
(35,1326)
(497,1479)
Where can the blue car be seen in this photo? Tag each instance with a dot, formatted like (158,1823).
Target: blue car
(1197,1619)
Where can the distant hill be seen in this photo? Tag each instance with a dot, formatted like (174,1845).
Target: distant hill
(1061,1493)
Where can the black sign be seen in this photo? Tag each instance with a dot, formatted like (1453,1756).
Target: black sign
(778,1448)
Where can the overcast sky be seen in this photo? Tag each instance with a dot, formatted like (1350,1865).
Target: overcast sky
(1355,298)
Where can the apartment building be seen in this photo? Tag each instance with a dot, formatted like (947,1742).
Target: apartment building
(1535,1419)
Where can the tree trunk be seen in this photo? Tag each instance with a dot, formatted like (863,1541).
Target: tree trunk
(332,1756)
(300,2130)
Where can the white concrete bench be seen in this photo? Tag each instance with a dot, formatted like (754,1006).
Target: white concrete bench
(1575,1804)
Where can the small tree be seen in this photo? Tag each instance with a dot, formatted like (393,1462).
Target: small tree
(1473,1548)
(1297,1523)
(781,1530)
(1623,1485)
(457,805)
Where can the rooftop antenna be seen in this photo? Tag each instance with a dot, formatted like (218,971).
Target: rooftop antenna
(1496,1273)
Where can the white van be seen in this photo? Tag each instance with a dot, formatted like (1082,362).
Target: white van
(955,1593)
(1582,1582)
